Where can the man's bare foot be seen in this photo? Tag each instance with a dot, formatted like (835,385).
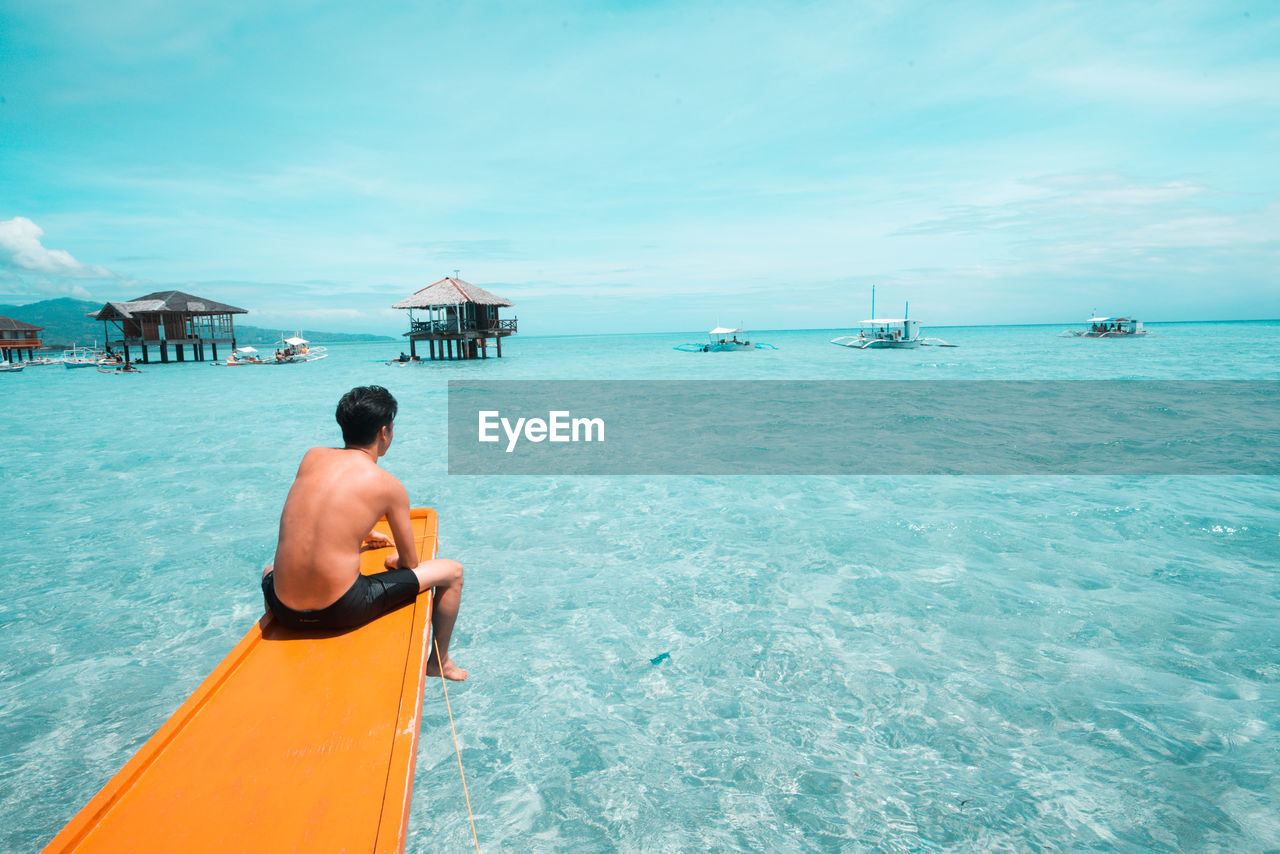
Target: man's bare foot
(452,671)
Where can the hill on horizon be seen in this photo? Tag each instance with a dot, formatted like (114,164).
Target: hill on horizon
(65,322)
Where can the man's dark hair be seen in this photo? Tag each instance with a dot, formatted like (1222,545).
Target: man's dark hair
(364,411)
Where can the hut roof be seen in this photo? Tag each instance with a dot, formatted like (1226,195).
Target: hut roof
(8,324)
(450,291)
(164,301)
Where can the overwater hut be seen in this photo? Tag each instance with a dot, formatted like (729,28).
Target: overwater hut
(16,336)
(169,318)
(460,319)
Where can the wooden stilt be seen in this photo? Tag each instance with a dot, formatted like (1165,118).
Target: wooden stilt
(498,343)
(164,351)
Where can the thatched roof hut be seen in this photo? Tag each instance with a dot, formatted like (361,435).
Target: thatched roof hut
(169,317)
(461,316)
(164,301)
(450,291)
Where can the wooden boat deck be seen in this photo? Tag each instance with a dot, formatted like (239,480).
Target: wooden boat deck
(297,741)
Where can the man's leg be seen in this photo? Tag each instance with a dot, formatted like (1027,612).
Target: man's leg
(446,577)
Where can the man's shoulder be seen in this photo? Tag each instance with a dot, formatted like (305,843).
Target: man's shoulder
(315,455)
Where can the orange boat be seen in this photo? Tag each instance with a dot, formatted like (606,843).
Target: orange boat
(297,741)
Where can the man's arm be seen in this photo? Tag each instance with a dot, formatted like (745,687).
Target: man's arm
(406,553)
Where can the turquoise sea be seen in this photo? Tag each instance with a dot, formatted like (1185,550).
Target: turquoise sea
(1020,663)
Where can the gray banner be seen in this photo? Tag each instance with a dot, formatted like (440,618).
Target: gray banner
(864,427)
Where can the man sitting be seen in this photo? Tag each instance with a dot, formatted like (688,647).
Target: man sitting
(337,496)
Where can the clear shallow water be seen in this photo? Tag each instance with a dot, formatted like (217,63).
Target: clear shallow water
(880,664)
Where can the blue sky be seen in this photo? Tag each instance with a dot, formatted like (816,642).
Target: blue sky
(646,166)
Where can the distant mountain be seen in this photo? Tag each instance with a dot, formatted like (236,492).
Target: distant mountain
(65,322)
(258,336)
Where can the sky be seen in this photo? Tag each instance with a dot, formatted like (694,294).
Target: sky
(615,167)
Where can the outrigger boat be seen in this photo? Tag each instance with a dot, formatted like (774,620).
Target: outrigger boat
(241,356)
(42,360)
(888,333)
(11,367)
(722,339)
(297,741)
(1108,327)
(82,357)
(298,349)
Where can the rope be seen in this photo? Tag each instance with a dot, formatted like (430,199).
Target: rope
(456,749)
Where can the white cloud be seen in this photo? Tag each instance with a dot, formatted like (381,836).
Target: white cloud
(20,238)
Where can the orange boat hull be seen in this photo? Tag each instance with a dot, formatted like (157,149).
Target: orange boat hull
(297,741)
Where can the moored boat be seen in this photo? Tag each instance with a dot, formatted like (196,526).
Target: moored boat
(895,333)
(297,349)
(241,356)
(1108,327)
(724,339)
(82,357)
(11,367)
(883,333)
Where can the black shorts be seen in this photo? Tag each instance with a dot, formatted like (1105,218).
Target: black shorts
(368,598)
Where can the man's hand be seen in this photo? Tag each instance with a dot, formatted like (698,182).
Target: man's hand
(392,561)
(375,540)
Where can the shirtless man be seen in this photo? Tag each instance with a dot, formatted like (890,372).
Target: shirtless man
(337,497)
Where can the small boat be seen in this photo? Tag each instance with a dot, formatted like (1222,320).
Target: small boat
(82,357)
(722,339)
(117,368)
(896,333)
(11,367)
(298,349)
(297,741)
(1108,327)
(880,333)
(241,356)
(40,361)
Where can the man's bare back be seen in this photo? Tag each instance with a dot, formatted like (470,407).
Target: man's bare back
(337,496)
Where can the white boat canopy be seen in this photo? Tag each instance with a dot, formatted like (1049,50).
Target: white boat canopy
(724,330)
(295,341)
(1099,319)
(880,321)
(245,350)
